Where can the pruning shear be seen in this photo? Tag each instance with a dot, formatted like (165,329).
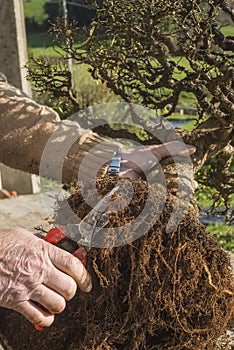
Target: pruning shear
(77,238)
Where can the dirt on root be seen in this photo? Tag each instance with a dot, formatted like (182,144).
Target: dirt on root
(164,290)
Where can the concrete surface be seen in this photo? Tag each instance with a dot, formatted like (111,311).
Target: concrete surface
(27,211)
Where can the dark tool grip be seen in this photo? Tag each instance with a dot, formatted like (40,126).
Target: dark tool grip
(58,237)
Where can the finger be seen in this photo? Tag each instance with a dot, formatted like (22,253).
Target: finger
(61,283)
(195,185)
(174,148)
(50,300)
(35,314)
(177,148)
(72,266)
(191,149)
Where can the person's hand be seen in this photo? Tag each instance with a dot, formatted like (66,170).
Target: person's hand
(142,159)
(36,278)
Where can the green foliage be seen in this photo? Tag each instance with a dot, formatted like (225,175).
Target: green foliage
(209,198)
(152,53)
(55,85)
(216,183)
(35,9)
(88,91)
(56,89)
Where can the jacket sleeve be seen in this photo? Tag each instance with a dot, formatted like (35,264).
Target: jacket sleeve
(32,134)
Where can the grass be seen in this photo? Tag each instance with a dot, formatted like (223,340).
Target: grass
(191,121)
(224,235)
(40,44)
(42,51)
(39,40)
(35,9)
(228,30)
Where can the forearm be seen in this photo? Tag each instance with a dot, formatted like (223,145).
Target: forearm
(27,128)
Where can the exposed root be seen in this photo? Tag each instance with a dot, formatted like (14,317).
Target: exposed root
(163,291)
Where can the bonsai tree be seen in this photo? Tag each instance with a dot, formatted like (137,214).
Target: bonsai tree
(153,53)
(167,289)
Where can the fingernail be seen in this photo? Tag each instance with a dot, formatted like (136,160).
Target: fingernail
(89,286)
(192,148)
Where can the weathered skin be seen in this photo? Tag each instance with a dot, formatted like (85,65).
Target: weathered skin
(33,270)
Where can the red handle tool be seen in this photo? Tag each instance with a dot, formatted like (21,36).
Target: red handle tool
(57,236)
(92,223)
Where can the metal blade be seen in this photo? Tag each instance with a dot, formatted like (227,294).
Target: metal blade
(84,232)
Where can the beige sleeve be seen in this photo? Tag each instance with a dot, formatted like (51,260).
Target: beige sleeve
(28,130)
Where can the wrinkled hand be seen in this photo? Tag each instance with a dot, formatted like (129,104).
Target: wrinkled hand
(142,159)
(36,278)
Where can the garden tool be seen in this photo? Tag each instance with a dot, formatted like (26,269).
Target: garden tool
(77,238)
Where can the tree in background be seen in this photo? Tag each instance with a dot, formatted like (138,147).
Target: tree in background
(151,53)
